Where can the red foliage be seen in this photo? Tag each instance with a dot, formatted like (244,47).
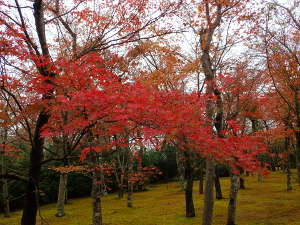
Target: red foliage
(97,99)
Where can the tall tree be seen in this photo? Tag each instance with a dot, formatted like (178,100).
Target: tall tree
(281,50)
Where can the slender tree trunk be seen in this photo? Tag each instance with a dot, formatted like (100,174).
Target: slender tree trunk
(96,199)
(260,178)
(273,168)
(298,168)
(289,186)
(130,195)
(201,180)
(288,177)
(121,192)
(120,182)
(188,175)
(206,37)
(67,195)
(242,183)
(297,133)
(218,188)
(121,187)
(233,200)
(63,178)
(5,194)
(209,193)
(130,183)
(298,155)
(5,198)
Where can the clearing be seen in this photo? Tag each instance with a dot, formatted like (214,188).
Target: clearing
(264,203)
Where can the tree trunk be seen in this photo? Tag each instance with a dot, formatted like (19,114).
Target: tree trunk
(130,195)
(289,186)
(96,199)
(201,179)
(272,167)
(31,201)
(31,196)
(288,178)
(121,187)
(63,178)
(206,37)
(209,193)
(219,195)
(130,182)
(121,192)
(5,198)
(242,183)
(233,200)
(67,196)
(298,155)
(188,175)
(5,194)
(260,178)
(297,133)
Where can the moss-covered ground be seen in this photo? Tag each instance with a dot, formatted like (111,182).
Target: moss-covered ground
(266,203)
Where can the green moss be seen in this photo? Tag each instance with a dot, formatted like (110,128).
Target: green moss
(264,203)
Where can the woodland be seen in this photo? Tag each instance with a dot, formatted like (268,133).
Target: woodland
(105,98)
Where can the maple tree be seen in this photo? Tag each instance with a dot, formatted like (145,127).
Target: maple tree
(73,87)
(36,59)
(205,18)
(281,51)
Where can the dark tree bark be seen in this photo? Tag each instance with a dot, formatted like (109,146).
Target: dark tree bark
(297,150)
(121,192)
(67,196)
(289,186)
(5,199)
(218,188)
(130,183)
(201,181)
(188,175)
(242,183)
(297,131)
(130,195)
(234,187)
(31,202)
(5,194)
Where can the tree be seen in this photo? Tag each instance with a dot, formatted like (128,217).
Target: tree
(281,50)
(38,61)
(79,75)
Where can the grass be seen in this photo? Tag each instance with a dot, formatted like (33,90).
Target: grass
(264,203)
